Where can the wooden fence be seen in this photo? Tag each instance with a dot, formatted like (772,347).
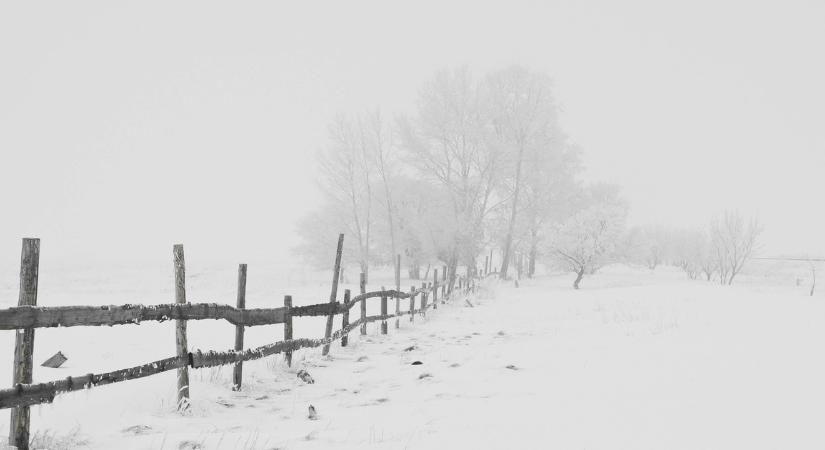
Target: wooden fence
(26,317)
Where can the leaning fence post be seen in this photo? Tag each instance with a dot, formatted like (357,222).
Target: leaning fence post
(180,327)
(24,341)
(412,303)
(239,329)
(363,286)
(383,311)
(424,299)
(345,319)
(435,289)
(332,296)
(398,291)
(443,283)
(288,327)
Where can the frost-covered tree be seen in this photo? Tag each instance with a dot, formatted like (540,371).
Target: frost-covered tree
(523,115)
(447,141)
(588,239)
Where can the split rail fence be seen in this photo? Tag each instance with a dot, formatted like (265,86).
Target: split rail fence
(26,317)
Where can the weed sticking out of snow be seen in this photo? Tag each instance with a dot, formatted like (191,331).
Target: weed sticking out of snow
(52,440)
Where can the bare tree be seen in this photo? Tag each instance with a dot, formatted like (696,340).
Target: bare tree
(734,242)
(447,142)
(524,119)
(346,166)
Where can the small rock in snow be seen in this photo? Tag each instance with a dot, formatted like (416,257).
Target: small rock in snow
(305,376)
(424,375)
(313,415)
(189,445)
(410,348)
(417,363)
(361,359)
(512,367)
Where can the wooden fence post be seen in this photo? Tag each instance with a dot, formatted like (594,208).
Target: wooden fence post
(383,312)
(486,264)
(345,318)
(443,283)
(435,289)
(424,299)
(334,294)
(180,327)
(237,375)
(362,284)
(24,341)
(288,327)
(412,303)
(398,289)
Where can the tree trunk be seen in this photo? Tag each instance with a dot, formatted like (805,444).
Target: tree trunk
(579,276)
(508,244)
(531,265)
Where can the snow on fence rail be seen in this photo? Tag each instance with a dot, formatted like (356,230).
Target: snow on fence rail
(27,317)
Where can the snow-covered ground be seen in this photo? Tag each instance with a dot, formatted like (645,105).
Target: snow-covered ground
(635,360)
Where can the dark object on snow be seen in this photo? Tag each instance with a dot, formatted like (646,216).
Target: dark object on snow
(55,361)
(516,283)
(313,415)
(417,363)
(424,375)
(512,367)
(467,300)
(410,348)
(305,377)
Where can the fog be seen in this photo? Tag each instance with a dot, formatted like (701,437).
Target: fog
(127,128)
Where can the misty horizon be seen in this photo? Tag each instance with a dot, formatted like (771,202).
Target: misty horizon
(116,148)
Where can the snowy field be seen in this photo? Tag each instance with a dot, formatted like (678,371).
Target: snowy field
(635,360)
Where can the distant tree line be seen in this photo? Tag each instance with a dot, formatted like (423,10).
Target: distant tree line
(716,253)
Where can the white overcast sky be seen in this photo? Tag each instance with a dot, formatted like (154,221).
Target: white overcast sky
(127,128)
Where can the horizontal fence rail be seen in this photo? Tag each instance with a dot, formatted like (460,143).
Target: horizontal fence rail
(27,317)
(109,315)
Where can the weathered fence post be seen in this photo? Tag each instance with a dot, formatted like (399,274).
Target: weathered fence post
(435,289)
(288,327)
(412,303)
(486,264)
(383,312)
(398,290)
(345,319)
(24,341)
(237,375)
(424,299)
(362,284)
(180,327)
(443,283)
(334,294)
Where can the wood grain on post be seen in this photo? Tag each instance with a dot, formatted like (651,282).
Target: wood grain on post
(334,294)
(362,284)
(412,303)
(397,288)
(237,376)
(24,341)
(435,289)
(383,312)
(288,327)
(345,318)
(180,327)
